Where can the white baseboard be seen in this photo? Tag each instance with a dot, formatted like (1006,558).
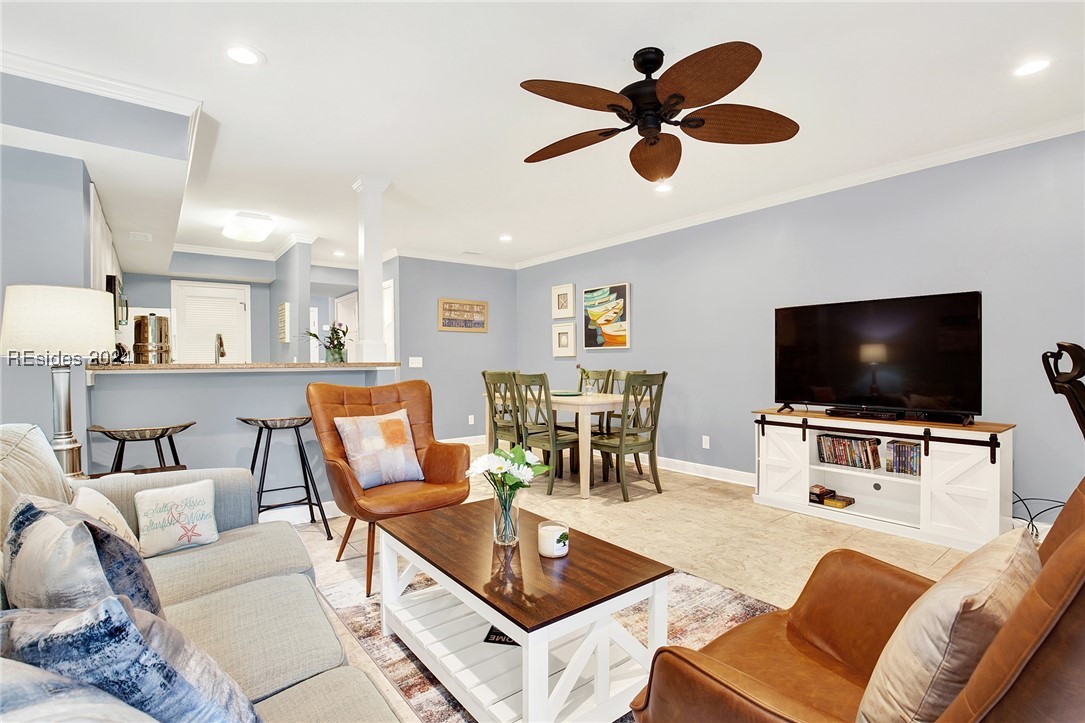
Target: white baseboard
(297,515)
(476,439)
(724,474)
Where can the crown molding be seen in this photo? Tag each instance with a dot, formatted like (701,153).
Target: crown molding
(215,251)
(40,70)
(430,256)
(336,265)
(1066,126)
(363,183)
(290,241)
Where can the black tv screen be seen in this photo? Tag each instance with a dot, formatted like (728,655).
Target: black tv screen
(919,353)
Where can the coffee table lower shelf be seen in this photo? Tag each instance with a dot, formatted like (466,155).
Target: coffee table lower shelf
(445,627)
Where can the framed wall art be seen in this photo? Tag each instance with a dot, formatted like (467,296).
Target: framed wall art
(607,317)
(562,304)
(463,315)
(564,339)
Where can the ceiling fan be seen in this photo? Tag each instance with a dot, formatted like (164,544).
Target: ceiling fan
(650,104)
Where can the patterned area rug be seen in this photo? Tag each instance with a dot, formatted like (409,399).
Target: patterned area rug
(697,610)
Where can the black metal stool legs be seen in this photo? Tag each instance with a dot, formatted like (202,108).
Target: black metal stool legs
(263,474)
(310,485)
(256,449)
(118,457)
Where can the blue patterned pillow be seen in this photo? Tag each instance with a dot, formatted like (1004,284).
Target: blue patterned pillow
(56,556)
(130,654)
(33,694)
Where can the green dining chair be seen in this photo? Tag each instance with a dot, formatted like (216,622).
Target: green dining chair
(616,385)
(642,396)
(537,425)
(504,415)
(591,381)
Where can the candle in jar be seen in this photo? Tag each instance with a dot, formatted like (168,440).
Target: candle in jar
(553,539)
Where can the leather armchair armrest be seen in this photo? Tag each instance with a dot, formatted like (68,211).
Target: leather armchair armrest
(852,603)
(445,463)
(685,685)
(235,492)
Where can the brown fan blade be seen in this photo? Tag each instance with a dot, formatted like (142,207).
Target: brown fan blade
(582,96)
(572,143)
(659,160)
(730,123)
(707,75)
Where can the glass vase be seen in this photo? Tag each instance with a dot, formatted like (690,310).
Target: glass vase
(335,356)
(506,518)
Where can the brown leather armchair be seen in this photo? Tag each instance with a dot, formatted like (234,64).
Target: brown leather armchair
(444,466)
(812,662)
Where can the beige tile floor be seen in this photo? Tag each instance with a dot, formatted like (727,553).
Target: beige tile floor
(706,527)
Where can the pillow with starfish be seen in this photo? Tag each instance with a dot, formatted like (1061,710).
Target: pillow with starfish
(172,518)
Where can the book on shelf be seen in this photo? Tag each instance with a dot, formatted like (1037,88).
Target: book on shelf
(859,452)
(903,457)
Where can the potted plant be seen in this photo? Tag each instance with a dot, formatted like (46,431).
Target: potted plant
(335,343)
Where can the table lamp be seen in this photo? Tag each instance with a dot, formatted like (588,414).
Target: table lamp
(873,354)
(57,325)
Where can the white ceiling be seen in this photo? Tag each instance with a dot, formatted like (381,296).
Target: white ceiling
(427,96)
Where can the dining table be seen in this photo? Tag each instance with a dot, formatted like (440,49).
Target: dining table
(583,404)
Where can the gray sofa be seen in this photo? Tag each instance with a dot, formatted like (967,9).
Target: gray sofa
(248,600)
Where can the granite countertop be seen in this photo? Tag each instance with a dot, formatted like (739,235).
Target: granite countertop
(263,366)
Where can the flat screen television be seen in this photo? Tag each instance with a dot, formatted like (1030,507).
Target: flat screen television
(917,354)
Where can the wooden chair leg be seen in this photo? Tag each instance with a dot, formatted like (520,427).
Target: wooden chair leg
(636,458)
(346,538)
(606,467)
(655,471)
(369,559)
(619,463)
(550,487)
(559,462)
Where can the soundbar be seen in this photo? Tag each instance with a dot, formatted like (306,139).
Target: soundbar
(878,414)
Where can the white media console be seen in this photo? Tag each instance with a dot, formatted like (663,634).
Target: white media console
(962,496)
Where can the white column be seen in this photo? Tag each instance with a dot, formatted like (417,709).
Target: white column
(370,344)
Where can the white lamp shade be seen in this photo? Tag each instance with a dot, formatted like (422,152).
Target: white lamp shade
(57,320)
(873,353)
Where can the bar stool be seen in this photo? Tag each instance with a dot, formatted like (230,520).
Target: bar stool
(143,434)
(309,484)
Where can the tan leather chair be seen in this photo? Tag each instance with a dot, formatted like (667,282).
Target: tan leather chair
(444,466)
(812,662)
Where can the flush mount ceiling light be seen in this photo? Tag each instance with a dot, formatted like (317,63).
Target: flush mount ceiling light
(246,55)
(664,186)
(1033,66)
(504,238)
(338,253)
(249,227)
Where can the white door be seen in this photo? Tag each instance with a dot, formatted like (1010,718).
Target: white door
(389,320)
(203,309)
(346,311)
(314,326)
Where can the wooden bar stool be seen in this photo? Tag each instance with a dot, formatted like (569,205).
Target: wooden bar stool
(308,483)
(143,434)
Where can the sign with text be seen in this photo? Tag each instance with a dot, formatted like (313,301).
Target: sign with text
(462,315)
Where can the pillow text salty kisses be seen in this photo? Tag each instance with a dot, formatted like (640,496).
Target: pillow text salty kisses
(176,517)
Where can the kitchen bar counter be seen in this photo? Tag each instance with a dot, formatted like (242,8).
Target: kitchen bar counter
(95,369)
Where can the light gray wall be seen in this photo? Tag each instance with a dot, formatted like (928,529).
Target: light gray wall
(44,239)
(1009,224)
(59,111)
(453,361)
(291,285)
(152,291)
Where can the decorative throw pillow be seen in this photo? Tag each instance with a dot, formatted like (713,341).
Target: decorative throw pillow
(56,556)
(172,518)
(380,448)
(98,506)
(940,640)
(130,654)
(34,694)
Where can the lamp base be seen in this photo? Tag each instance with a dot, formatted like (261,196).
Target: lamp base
(65,446)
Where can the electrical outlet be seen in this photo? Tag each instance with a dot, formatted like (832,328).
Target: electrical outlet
(414,362)
(470,419)
(705,443)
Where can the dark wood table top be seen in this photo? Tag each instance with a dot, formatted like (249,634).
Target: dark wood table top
(531,590)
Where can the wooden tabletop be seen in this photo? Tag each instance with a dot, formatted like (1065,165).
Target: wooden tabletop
(530,590)
(984,427)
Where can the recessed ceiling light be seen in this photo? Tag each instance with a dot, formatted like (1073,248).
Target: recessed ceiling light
(246,55)
(249,227)
(1033,66)
(338,253)
(664,186)
(504,238)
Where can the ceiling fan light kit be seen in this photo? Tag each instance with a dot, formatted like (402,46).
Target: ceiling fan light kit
(651,104)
